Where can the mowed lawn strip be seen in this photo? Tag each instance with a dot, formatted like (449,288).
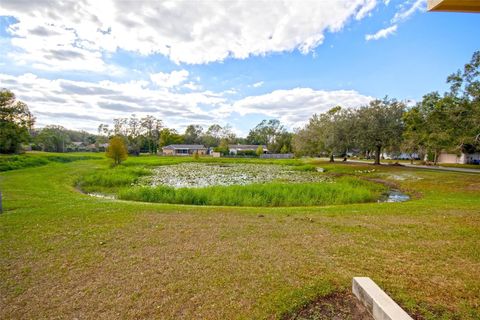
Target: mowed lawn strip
(65,254)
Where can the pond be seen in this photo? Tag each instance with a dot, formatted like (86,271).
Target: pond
(395,195)
(240,184)
(199,175)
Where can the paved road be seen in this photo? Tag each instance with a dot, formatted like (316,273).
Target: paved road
(467,170)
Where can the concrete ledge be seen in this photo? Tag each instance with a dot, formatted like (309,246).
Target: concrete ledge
(377,301)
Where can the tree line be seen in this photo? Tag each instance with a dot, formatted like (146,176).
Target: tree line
(140,135)
(148,134)
(449,121)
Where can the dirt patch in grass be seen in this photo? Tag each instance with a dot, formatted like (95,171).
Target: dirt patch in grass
(335,306)
(473,187)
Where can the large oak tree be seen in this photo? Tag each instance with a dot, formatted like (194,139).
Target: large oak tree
(15,122)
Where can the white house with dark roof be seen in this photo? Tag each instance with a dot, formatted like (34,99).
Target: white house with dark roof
(184,149)
(239,148)
(462,158)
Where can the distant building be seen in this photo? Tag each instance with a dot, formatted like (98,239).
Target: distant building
(400,156)
(243,148)
(184,149)
(102,147)
(463,158)
(78,144)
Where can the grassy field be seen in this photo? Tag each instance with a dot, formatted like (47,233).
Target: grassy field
(37,159)
(64,254)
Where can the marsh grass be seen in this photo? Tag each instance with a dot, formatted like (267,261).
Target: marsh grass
(342,191)
(305,167)
(106,180)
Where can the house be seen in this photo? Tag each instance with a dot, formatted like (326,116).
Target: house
(102,147)
(245,148)
(454,5)
(184,149)
(463,158)
(78,144)
(400,156)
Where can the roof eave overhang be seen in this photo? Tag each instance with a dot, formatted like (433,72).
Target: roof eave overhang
(453,5)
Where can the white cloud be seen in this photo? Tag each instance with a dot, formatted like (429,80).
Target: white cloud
(383,33)
(73,31)
(230,91)
(257,84)
(84,105)
(295,106)
(366,9)
(192,86)
(405,12)
(169,80)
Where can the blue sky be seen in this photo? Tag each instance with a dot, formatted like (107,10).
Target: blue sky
(219,62)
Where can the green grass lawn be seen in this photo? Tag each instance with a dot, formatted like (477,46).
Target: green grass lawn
(36,159)
(64,254)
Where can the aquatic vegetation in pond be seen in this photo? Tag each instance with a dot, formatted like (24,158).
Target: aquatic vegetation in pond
(199,175)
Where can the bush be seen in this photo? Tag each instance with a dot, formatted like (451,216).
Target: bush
(223,150)
(117,150)
(247,153)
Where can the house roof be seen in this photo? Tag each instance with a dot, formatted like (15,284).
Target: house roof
(185,146)
(246,146)
(454,5)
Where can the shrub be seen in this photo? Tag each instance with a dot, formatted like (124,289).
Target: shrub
(247,153)
(117,150)
(222,149)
